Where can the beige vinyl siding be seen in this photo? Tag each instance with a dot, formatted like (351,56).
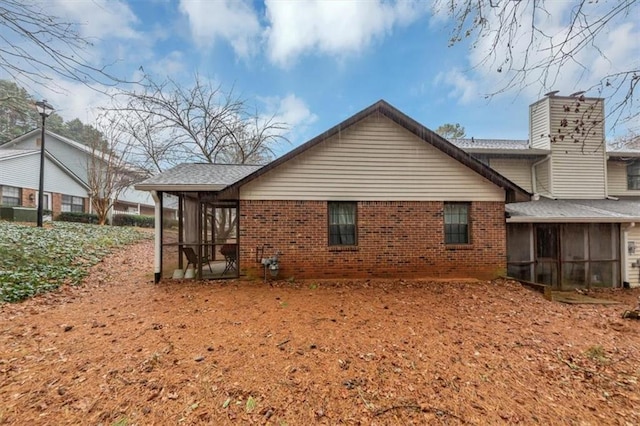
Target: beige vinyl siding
(617,179)
(517,170)
(633,273)
(539,124)
(543,181)
(578,159)
(373,160)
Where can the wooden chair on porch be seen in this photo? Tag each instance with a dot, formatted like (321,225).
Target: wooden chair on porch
(192,258)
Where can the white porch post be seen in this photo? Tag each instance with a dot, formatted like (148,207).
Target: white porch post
(158,237)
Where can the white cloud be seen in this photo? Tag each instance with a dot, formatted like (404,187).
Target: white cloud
(464,89)
(613,50)
(99,18)
(336,28)
(291,111)
(172,64)
(73,100)
(233,20)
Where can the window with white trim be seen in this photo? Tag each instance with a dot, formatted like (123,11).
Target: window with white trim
(10,196)
(72,204)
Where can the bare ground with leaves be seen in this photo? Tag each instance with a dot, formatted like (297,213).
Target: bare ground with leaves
(121,350)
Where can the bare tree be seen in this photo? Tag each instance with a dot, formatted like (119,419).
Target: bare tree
(108,173)
(36,48)
(527,53)
(172,123)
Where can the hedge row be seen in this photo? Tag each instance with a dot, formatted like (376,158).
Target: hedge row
(77,217)
(117,220)
(133,220)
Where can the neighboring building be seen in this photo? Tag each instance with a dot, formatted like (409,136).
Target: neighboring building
(20,176)
(583,226)
(378,195)
(75,158)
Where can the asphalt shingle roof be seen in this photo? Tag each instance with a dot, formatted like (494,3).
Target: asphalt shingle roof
(491,143)
(575,210)
(198,177)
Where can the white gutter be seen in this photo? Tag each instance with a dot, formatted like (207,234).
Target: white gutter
(158,235)
(624,253)
(605,158)
(534,188)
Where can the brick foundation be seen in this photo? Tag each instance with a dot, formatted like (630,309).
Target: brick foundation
(395,239)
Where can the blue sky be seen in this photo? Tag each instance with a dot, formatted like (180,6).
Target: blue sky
(315,63)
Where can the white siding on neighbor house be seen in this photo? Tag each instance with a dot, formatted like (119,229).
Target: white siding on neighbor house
(539,124)
(517,170)
(633,273)
(373,160)
(543,181)
(578,160)
(71,157)
(617,179)
(130,195)
(77,161)
(24,172)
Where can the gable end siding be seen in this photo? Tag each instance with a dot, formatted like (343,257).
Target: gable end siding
(375,159)
(517,170)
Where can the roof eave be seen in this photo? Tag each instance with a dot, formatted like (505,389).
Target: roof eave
(179,187)
(564,219)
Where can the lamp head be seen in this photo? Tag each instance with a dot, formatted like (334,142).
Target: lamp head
(44,109)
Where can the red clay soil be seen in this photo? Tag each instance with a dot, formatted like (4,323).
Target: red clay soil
(121,350)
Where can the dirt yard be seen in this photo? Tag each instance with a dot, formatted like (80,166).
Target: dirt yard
(122,351)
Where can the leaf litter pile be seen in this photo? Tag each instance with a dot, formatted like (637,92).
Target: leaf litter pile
(119,350)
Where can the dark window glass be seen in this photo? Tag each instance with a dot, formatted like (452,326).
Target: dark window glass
(10,196)
(72,204)
(633,175)
(342,223)
(456,223)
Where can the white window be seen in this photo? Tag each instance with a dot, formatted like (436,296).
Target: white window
(72,204)
(10,196)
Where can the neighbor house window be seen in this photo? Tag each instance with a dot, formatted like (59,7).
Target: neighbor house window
(10,196)
(342,224)
(456,223)
(633,175)
(72,204)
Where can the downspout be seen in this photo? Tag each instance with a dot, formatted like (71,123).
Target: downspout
(606,174)
(624,253)
(534,188)
(157,264)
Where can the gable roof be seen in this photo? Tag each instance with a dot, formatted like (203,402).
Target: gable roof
(8,154)
(409,124)
(197,177)
(48,133)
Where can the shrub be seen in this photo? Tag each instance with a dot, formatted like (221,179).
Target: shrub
(170,223)
(77,217)
(133,220)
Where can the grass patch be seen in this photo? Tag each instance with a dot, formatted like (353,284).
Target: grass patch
(596,353)
(36,260)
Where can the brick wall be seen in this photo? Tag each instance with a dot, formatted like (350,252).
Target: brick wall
(395,239)
(56,200)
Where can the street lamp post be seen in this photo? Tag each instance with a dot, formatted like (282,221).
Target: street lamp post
(45,110)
